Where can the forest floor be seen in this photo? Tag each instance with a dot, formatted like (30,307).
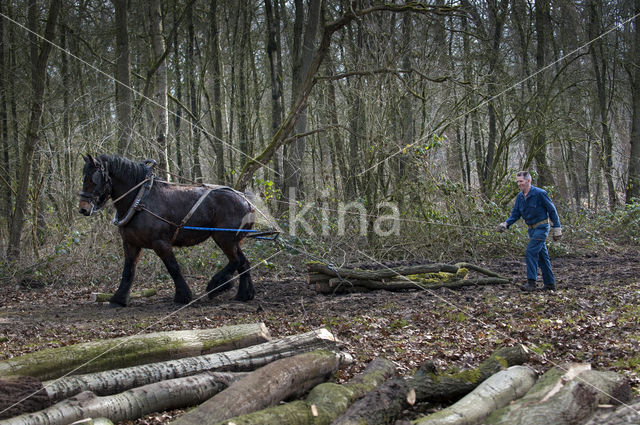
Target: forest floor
(594,317)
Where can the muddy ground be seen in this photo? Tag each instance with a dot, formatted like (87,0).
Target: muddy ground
(594,317)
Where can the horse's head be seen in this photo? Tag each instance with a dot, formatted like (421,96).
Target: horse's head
(96,185)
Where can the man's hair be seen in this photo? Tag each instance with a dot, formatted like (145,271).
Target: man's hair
(524,174)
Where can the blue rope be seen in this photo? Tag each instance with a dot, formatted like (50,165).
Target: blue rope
(220,229)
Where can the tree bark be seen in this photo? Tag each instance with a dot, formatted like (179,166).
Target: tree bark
(244,359)
(324,403)
(622,415)
(161,117)
(133,350)
(266,387)
(131,404)
(32,132)
(386,402)
(564,395)
(496,392)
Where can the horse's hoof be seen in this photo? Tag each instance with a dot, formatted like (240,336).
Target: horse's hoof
(115,305)
(182,300)
(248,296)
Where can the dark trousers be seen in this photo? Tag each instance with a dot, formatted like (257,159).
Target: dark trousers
(538,256)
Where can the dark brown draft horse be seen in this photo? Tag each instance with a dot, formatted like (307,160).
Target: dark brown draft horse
(151,213)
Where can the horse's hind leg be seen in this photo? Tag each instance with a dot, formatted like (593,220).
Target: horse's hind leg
(131,257)
(223,280)
(246,291)
(165,252)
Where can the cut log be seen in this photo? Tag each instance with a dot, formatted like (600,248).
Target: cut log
(386,402)
(103,297)
(132,350)
(119,380)
(132,404)
(324,403)
(337,286)
(564,395)
(494,393)
(627,414)
(266,387)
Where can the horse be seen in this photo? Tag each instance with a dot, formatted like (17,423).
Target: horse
(152,214)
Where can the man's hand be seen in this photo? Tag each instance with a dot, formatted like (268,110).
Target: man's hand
(502,227)
(557,233)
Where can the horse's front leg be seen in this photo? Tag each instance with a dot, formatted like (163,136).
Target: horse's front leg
(165,252)
(131,257)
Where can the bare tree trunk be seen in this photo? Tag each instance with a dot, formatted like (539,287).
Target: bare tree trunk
(5,175)
(33,129)
(161,123)
(633,182)
(274,55)
(194,101)
(600,69)
(177,71)
(218,102)
(123,77)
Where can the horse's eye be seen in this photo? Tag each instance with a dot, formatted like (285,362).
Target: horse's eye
(96,178)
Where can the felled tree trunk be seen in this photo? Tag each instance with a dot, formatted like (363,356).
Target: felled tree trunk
(386,402)
(564,395)
(266,387)
(324,403)
(132,404)
(132,350)
(332,280)
(494,393)
(119,380)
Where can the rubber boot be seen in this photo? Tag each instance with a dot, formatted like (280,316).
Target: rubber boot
(530,286)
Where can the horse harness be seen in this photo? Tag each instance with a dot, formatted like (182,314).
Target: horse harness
(144,189)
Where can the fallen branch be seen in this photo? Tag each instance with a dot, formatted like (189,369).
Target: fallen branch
(131,404)
(132,350)
(324,403)
(266,387)
(103,297)
(119,380)
(494,393)
(564,395)
(386,402)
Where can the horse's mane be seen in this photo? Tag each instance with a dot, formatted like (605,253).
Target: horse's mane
(124,167)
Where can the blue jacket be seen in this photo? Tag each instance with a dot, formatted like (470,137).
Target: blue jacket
(537,206)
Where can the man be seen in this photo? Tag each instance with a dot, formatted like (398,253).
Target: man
(535,207)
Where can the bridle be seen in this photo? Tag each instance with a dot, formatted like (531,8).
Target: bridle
(98,198)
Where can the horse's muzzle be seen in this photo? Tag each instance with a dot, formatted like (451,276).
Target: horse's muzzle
(85,208)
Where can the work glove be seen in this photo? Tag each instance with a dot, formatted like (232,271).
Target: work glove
(502,227)
(557,233)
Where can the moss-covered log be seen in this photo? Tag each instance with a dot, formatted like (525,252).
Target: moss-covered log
(338,286)
(266,387)
(131,404)
(385,273)
(386,402)
(492,394)
(132,350)
(564,395)
(119,380)
(324,403)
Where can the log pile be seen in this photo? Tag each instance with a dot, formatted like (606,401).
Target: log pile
(288,382)
(327,279)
